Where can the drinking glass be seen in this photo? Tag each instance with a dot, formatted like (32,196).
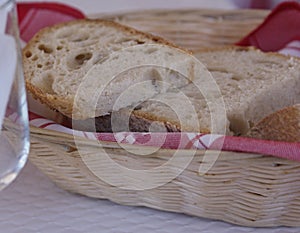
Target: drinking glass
(14,134)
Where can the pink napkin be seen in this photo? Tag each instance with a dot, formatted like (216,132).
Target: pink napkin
(35,16)
(279,32)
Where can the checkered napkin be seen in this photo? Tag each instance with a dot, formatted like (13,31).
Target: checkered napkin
(269,36)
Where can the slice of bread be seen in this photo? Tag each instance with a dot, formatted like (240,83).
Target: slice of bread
(58,58)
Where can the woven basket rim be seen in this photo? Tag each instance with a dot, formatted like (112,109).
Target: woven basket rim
(130,13)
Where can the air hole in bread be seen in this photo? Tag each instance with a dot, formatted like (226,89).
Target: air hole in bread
(28,54)
(59,47)
(45,49)
(81,58)
(139,107)
(39,66)
(236,78)
(77,60)
(48,65)
(140,42)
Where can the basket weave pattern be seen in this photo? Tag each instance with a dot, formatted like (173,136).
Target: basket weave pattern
(244,189)
(195,29)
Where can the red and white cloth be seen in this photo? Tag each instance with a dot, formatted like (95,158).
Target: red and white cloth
(35,16)
(279,32)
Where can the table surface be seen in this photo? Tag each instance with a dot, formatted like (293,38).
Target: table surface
(34,204)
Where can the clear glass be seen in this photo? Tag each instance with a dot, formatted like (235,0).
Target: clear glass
(14,137)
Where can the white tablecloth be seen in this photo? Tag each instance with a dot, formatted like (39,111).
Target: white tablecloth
(34,204)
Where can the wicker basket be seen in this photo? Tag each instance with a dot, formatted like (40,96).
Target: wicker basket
(194,29)
(244,189)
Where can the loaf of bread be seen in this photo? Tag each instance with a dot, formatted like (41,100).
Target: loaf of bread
(282,125)
(253,84)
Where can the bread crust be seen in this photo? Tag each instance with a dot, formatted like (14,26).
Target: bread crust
(283,125)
